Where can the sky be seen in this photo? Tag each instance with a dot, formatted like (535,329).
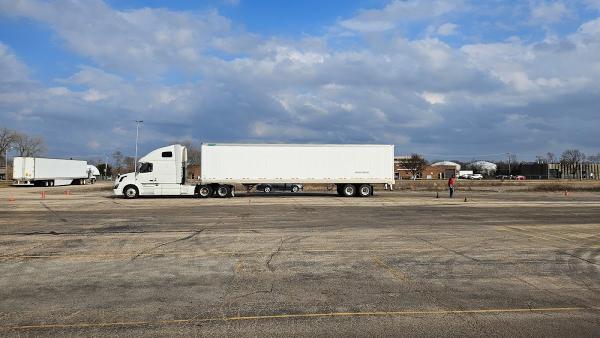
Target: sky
(449,79)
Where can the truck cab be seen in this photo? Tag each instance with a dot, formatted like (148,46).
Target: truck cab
(161,172)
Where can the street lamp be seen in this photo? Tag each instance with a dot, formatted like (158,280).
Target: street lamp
(137,127)
(105,167)
(508,154)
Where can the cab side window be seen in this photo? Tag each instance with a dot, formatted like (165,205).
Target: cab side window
(167,154)
(146,168)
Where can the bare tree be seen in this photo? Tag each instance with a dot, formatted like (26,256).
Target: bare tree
(572,156)
(7,138)
(550,157)
(129,164)
(415,164)
(28,146)
(118,158)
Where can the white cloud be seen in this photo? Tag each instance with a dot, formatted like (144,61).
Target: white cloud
(447,29)
(11,69)
(548,12)
(420,92)
(398,12)
(145,41)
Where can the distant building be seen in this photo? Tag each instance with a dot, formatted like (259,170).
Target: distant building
(483,167)
(553,170)
(440,170)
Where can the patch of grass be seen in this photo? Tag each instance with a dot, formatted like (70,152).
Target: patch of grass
(550,187)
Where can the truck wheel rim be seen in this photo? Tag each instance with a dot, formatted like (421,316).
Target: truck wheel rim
(222,191)
(267,189)
(130,192)
(349,191)
(204,192)
(364,191)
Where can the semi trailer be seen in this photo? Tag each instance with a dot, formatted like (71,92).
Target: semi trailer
(48,172)
(352,168)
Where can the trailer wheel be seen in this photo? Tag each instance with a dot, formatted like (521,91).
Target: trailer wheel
(365,190)
(349,190)
(223,191)
(51,183)
(131,192)
(295,188)
(205,191)
(267,189)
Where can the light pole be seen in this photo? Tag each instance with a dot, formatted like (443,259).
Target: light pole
(137,127)
(105,167)
(508,154)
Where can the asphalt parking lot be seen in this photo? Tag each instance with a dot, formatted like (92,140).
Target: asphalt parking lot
(79,262)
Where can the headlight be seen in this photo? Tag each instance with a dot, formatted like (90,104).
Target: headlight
(116,186)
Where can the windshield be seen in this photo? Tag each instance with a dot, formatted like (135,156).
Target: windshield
(145,167)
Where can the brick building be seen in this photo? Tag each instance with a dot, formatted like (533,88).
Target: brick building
(436,171)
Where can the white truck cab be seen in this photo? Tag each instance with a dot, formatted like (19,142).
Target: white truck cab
(161,172)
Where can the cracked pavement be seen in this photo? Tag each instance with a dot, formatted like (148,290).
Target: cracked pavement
(400,263)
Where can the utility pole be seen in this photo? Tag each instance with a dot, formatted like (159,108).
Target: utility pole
(105,167)
(137,133)
(508,154)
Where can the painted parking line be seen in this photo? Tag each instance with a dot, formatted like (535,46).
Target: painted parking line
(298,316)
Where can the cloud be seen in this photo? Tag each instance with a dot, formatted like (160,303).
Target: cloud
(397,12)
(144,41)
(447,29)
(421,93)
(548,12)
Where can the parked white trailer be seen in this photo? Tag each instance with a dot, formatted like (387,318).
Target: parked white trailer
(352,168)
(48,171)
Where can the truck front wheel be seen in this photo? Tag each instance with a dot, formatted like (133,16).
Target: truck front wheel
(131,192)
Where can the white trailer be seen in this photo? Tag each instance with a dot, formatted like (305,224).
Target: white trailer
(352,168)
(48,171)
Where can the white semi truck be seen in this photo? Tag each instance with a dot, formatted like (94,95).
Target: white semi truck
(49,172)
(352,168)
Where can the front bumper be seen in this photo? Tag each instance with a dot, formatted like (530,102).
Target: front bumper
(117,190)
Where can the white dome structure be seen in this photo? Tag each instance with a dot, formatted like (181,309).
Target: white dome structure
(484,167)
(447,163)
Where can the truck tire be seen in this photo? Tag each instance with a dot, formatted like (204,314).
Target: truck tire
(267,189)
(295,188)
(365,190)
(131,192)
(205,191)
(223,191)
(349,190)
